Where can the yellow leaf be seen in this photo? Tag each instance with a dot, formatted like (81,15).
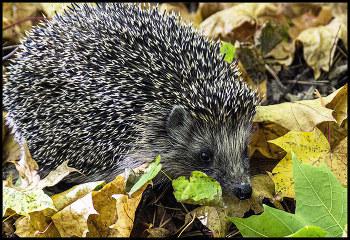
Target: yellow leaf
(310,147)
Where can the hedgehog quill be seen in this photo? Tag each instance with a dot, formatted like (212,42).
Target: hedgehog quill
(113,86)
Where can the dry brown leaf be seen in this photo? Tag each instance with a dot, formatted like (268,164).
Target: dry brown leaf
(239,22)
(269,36)
(11,150)
(213,218)
(14,12)
(180,8)
(263,187)
(126,209)
(318,44)
(265,132)
(309,20)
(283,53)
(157,232)
(38,222)
(26,168)
(337,133)
(57,175)
(209,8)
(338,101)
(339,11)
(295,10)
(297,116)
(72,220)
(68,197)
(106,207)
(250,56)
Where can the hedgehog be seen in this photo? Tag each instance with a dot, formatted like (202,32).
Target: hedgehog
(112,86)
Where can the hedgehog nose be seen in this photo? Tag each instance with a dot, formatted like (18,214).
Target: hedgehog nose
(242,191)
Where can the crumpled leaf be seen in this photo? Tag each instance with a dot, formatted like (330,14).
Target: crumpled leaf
(56,176)
(250,56)
(71,195)
(309,20)
(318,45)
(28,227)
(114,218)
(30,179)
(26,168)
(263,188)
(72,220)
(239,22)
(283,53)
(269,35)
(126,209)
(260,140)
(213,218)
(338,101)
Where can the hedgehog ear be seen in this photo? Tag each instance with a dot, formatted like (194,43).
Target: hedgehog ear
(179,121)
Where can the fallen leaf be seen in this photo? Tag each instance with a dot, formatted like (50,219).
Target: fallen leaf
(302,115)
(72,220)
(312,148)
(318,44)
(259,142)
(240,21)
(27,227)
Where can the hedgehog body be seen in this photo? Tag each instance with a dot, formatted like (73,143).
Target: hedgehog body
(113,86)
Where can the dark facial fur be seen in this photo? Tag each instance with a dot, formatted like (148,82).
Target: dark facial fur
(114,86)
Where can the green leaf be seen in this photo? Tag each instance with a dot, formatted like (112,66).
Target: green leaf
(152,170)
(271,223)
(230,50)
(309,231)
(200,189)
(321,199)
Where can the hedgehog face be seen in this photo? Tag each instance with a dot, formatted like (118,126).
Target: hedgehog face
(217,149)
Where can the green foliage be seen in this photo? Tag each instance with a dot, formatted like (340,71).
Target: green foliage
(200,189)
(152,170)
(230,50)
(309,231)
(321,205)
(321,199)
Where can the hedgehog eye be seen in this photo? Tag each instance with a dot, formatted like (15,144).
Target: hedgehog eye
(205,156)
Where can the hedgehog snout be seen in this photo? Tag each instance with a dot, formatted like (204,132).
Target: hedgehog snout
(242,191)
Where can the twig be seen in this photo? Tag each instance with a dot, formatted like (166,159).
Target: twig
(273,73)
(309,83)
